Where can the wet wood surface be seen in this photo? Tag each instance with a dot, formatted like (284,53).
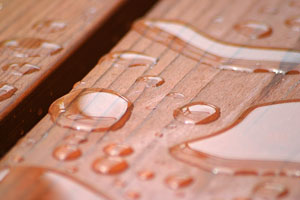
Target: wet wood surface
(152,130)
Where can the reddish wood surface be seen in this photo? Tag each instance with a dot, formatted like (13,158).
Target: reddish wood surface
(149,129)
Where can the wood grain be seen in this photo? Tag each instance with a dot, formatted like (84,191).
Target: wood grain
(233,92)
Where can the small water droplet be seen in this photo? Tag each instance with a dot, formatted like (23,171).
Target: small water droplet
(30,47)
(145,175)
(151,81)
(72,169)
(6,90)
(270,190)
(178,181)
(49,26)
(119,183)
(117,150)
(92,109)
(197,113)
(132,195)
(76,138)
(158,134)
(109,165)
(20,69)
(66,152)
(218,19)
(79,83)
(175,95)
(253,29)
(133,59)
(171,126)
(293,23)
(18,159)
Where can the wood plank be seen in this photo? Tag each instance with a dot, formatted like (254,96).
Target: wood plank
(151,130)
(82,27)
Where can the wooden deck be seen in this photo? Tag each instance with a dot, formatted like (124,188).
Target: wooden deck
(162,70)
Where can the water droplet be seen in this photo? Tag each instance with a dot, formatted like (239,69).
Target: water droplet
(178,181)
(253,29)
(93,109)
(145,175)
(171,126)
(158,134)
(293,23)
(109,165)
(119,183)
(175,95)
(270,190)
(66,152)
(29,182)
(272,59)
(18,159)
(133,195)
(29,47)
(76,138)
(244,149)
(132,59)
(218,19)
(78,84)
(117,150)
(49,26)
(72,169)
(197,113)
(151,81)
(6,91)
(20,69)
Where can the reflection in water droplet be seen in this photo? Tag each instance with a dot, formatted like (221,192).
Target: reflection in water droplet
(145,175)
(49,26)
(20,69)
(93,109)
(197,44)
(270,190)
(175,95)
(29,47)
(293,23)
(178,181)
(244,149)
(66,152)
(132,195)
(6,91)
(253,29)
(109,165)
(132,59)
(3,173)
(151,81)
(29,182)
(117,150)
(76,138)
(197,113)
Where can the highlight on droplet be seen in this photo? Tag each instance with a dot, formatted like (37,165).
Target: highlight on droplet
(20,69)
(6,90)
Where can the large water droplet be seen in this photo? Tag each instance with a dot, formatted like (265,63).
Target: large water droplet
(178,181)
(117,150)
(93,109)
(151,81)
(6,90)
(20,69)
(270,190)
(66,152)
(293,23)
(253,29)
(197,113)
(132,59)
(197,44)
(49,26)
(42,183)
(109,165)
(29,47)
(250,145)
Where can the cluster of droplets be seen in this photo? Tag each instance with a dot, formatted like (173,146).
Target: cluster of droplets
(28,47)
